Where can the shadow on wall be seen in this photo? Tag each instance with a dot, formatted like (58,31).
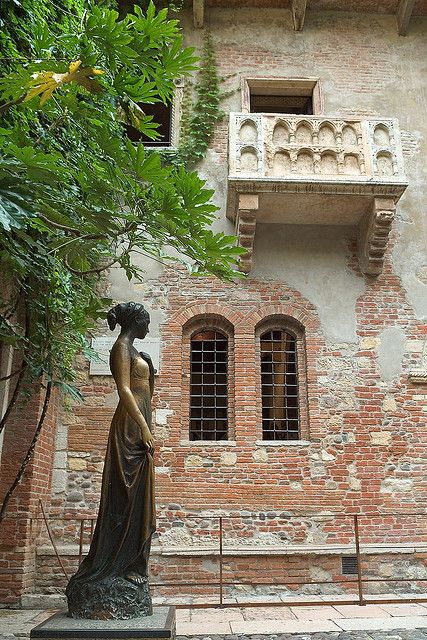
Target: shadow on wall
(313,260)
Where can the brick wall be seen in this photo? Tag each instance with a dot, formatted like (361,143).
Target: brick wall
(363,453)
(252,576)
(18,530)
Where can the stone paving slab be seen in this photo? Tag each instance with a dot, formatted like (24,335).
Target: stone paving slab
(268,613)
(182,615)
(405,609)
(397,634)
(285,597)
(260,599)
(394,622)
(367,611)
(229,614)
(316,613)
(17,623)
(383,624)
(206,629)
(282,626)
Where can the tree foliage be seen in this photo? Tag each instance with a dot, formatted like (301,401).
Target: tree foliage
(76,196)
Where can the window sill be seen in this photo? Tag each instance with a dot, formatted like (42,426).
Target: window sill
(161,148)
(282,443)
(207,443)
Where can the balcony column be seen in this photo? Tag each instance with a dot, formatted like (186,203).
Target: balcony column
(245,227)
(374,230)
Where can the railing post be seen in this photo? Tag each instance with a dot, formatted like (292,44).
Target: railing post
(82,524)
(52,540)
(220,563)
(359,566)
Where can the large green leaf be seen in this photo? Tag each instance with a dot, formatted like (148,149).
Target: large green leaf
(14,208)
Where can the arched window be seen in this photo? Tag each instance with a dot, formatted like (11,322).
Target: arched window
(279,385)
(208,385)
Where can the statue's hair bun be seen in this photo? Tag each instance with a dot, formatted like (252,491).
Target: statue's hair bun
(126,313)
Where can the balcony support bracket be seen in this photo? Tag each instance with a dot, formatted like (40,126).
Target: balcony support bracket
(374,231)
(198,13)
(403,16)
(298,9)
(246,226)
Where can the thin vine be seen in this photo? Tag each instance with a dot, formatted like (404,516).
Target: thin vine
(206,110)
(198,119)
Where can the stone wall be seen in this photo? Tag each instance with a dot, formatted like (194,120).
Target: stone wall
(257,576)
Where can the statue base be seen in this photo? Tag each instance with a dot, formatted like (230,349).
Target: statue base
(113,599)
(60,626)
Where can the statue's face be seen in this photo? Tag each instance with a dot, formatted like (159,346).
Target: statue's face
(141,326)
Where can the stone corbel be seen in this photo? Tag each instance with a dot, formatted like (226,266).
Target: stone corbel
(403,16)
(198,13)
(374,231)
(245,228)
(298,8)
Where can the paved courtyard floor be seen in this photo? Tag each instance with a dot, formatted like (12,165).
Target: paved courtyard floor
(286,620)
(403,621)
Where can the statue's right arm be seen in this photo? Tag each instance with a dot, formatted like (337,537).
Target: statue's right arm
(120,360)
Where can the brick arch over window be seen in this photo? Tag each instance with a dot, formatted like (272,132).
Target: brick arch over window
(282,379)
(208,378)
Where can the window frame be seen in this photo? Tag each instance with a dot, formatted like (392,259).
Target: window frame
(194,326)
(176,111)
(293,327)
(175,119)
(278,393)
(283,86)
(220,425)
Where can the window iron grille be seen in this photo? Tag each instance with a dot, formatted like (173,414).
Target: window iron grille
(209,386)
(279,386)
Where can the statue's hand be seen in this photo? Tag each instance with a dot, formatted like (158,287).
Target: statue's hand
(147,438)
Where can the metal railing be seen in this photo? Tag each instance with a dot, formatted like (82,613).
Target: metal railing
(86,525)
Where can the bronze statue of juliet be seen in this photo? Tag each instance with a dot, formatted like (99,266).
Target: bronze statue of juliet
(112,581)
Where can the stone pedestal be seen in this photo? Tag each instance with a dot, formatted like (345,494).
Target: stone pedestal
(59,627)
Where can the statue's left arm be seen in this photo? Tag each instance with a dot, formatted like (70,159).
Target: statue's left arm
(149,361)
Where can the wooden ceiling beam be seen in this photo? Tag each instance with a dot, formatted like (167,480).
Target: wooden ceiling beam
(403,16)
(298,8)
(198,13)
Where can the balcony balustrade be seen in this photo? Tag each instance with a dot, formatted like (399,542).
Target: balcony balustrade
(315,170)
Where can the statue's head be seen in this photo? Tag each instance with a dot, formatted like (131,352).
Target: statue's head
(129,315)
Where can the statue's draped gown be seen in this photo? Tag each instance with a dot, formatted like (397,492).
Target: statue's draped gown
(126,518)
